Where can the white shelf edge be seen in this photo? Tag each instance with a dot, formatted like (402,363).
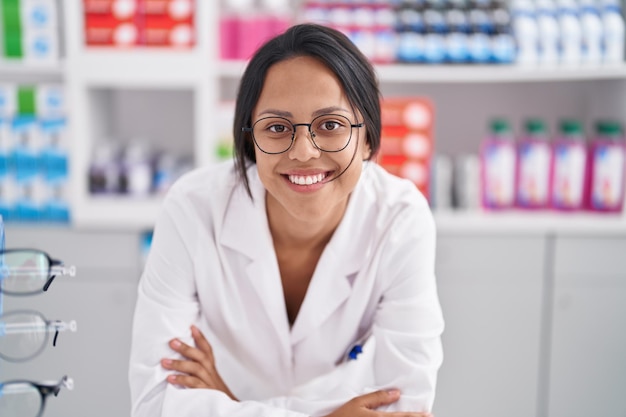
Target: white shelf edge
(139,68)
(21,68)
(137,213)
(116,212)
(400,73)
(497,73)
(528,222)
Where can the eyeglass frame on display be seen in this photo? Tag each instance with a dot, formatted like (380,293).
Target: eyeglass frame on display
(52,263)
(45,389)
(312,134)
(50,325)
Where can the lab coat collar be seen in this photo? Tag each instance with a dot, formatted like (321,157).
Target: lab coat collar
(332,281)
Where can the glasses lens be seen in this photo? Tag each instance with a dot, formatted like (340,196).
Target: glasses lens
(19,399)
(331,132)
(273,134)
(22,336)
(24,272)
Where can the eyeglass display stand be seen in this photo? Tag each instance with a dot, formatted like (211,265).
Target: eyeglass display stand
(56,326)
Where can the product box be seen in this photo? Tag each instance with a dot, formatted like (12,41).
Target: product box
(39,14)
(40,46)
(8,100)
(178,10)
(119,9)
(407,140)
(50,101)
(167,23)
(167,32)
(111,23)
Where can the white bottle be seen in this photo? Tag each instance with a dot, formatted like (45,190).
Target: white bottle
(526,32)
(549,36)
(592,32)
(571,33)
(613,23)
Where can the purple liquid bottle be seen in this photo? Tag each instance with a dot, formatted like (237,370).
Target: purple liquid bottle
(569,167)
(533,166)
(497,157)
(606,164)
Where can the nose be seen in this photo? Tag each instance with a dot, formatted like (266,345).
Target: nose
(303,147)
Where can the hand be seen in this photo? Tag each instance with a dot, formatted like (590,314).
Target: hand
(366,405)
(198,369)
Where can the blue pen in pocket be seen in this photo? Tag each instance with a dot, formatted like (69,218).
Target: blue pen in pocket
(356,348)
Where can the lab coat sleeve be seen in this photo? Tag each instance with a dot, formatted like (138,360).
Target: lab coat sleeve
(409,322)
(166,307)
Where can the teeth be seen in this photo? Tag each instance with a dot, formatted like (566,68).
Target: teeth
(306,180)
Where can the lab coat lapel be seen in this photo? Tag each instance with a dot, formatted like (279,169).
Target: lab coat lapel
(246,231)
(342,259)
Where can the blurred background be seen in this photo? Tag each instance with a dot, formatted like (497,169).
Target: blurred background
(507,115)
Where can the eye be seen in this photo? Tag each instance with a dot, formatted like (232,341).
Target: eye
(331,124)
(273,127)
(277,128)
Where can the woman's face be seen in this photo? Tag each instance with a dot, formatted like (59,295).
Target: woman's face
(304,184)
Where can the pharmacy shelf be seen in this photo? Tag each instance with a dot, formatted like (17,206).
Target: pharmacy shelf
(414,73)
(104,212)
(117,212)
(530,222)
(10,70)
(139,68)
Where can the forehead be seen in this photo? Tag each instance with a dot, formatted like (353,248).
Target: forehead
(300,85)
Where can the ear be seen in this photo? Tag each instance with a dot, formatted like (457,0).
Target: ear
(366,151)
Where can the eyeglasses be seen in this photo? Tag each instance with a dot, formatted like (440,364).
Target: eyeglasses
(24,334)
(21,398)
(328,132)
(29,271)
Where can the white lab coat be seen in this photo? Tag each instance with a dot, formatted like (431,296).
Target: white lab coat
(212,264)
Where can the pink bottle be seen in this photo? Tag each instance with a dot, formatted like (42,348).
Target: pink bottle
(606,164)
(569,167)
(534,155)
(497,167)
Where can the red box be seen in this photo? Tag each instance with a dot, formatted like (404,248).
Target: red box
(165,31)
(406,146)
(118,9)
(106,30)
(180,10)
(413,113)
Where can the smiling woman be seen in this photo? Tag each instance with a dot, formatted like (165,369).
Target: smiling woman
(299,280)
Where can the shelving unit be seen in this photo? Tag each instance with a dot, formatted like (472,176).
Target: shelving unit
(100,80)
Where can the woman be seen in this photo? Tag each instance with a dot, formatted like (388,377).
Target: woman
(299,280)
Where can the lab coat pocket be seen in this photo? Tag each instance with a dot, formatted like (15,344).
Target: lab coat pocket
(347,380)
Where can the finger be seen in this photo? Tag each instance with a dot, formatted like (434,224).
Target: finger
(377,399)
(187,351)
(188,367)
(405,414)
(187,381)
(201,342)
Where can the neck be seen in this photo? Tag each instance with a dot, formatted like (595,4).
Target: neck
(289,231)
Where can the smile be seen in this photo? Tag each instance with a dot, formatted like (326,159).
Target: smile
(306,179)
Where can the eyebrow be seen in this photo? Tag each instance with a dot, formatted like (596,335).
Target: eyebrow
(319,112)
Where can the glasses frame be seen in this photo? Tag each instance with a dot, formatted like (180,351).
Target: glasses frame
(50,276)
(45,389)
(50,325)
(293,133)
